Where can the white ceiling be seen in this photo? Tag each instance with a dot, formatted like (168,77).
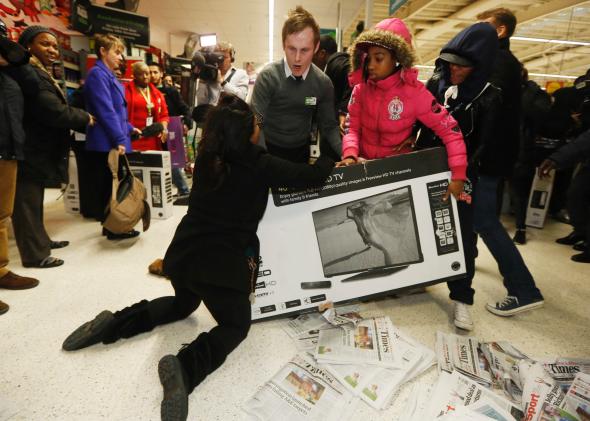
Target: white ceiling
(433,23)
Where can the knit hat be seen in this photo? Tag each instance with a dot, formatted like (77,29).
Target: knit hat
(29,34)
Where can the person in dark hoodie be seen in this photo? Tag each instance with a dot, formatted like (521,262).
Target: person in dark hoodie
(337,67)
(213,257)
(460,82)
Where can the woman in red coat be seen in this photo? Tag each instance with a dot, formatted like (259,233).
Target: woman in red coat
(146,105)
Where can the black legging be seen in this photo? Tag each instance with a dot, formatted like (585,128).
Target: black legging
(230,308)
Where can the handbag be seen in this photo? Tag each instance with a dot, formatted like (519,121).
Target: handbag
(128,200)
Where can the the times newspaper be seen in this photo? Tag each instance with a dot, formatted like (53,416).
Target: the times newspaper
(371,341)
(564,370)
(577,400)
(454,390)
(301,390)
(462,353)
(503,359)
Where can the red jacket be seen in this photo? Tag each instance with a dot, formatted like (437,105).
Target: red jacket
(138,113)
(383,113)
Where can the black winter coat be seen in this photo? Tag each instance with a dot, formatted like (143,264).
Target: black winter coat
(507,77)
(211,242)
(479,124)
(576,151)
(337,69)
(48,120)
(12,134)
(176,106)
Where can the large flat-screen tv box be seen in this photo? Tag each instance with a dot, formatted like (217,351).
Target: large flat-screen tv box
(370,229)
(154,170)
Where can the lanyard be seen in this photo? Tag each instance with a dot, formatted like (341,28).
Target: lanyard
(147,98)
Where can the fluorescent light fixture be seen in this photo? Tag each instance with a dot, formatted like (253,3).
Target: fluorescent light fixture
(207,40)
(421,66)
(551,41)
(271,29)
(555,76)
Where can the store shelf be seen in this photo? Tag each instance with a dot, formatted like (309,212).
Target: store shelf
(72,84)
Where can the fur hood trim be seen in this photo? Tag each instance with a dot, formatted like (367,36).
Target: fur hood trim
(403,53)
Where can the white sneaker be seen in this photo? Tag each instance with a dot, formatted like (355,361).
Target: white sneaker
(463,318)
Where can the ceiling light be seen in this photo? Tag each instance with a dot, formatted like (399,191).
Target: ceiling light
(555,76)
(551,41)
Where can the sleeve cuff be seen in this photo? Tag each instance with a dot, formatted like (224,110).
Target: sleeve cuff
(350,152)
(459,173)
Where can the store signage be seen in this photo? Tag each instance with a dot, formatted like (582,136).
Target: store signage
(92,19)
(370,229)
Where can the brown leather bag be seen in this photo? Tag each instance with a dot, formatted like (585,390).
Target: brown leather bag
(128,201)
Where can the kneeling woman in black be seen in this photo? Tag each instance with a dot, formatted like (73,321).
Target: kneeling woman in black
(214,253)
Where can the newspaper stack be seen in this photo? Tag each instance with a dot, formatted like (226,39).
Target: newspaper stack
(455,390)
(464,354)
(301,390)
(564,370)
(577,400)
(377,385)
(371,341)
(503,359)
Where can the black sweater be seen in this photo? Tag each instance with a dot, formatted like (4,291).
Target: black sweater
(211,241)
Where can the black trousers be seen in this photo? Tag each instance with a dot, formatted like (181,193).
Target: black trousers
(98,180)
(298,154)
(31,237)
(230,308)
(578,202)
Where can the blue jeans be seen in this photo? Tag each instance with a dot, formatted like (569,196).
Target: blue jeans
(517,279)
(179,181)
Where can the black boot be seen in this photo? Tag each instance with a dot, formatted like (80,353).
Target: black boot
(570,239)
(173,378)
(89,333)
(129,322)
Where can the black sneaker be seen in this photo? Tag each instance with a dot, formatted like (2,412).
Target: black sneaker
(175,403)
(570,239)
(519,236)
(89,333)
(581,246)
(511,306)
(112,236)
(582,257)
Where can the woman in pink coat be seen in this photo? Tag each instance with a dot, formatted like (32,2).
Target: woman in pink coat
(385,106)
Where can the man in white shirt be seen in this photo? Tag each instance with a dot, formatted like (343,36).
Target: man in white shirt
(229,79)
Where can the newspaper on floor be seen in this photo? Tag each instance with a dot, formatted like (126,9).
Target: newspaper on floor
(418,402)
(338,317)
(462,353)
(564,370)
(455,390)
(485,412)
(577,400)
(503,359)
(301,390)
(377,385)
(539,390)
(305,330)
(371,341)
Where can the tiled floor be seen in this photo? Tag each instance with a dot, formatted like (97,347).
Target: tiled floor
(38,381)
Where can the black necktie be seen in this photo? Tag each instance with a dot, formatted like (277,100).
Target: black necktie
(298,78)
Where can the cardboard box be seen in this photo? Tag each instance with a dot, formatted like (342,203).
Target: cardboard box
(539,199)
(154,170)
(371,229)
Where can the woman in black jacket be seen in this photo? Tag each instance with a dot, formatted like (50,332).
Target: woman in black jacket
(47,122)
(213,257)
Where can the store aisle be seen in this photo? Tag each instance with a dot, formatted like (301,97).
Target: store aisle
(38,381)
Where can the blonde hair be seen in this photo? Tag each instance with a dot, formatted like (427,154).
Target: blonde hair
(299,19)
(107,42)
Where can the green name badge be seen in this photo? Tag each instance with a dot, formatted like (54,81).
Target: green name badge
(311,100)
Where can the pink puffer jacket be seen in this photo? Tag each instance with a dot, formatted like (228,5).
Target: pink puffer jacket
(383,113)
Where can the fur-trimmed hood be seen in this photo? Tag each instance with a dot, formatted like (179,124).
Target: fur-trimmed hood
(403,53)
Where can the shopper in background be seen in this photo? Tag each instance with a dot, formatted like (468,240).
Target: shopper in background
(105,99)
(230,80)
(360,27)
(146,106)
(506,75)
(12,140)
(176,107)
(460,82)
(47,122)
(337,67)
(213,257)
(290,93)
(578,196)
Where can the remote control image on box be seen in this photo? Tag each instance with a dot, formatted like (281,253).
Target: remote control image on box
(442,218)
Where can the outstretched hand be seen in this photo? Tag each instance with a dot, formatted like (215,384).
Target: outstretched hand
(546,167)
(455,188)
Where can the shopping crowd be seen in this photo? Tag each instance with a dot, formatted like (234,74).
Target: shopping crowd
(497,126)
